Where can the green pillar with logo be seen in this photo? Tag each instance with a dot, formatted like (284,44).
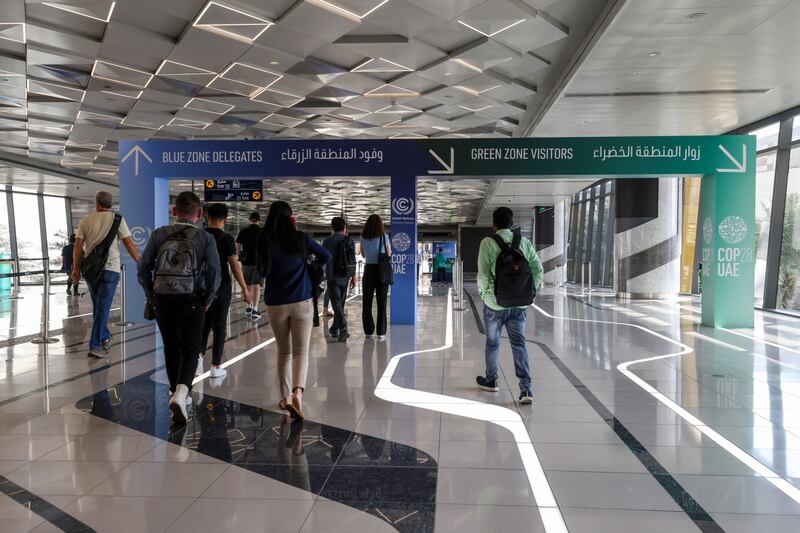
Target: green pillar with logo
(727,229)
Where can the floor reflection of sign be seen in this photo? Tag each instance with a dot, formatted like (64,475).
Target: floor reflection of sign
(233,190)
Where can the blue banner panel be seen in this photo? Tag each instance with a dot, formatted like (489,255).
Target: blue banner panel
(404,249)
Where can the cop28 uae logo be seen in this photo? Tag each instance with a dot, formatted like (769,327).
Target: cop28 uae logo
(708,230)
(140,235)
(401,242)
(733,229)
(402,206)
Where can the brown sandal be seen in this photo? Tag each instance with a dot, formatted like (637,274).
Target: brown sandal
(282,405)
(294,412)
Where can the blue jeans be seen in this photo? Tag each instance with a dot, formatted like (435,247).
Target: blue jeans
(514,321)
(102,292)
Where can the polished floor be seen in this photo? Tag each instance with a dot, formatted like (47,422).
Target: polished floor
(643,421)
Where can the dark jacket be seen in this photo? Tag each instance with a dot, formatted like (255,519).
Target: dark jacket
(332,244)
(288,279)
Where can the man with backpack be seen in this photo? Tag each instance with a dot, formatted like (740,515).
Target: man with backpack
(95,257)
(180,273)
(509,272)
(339,272)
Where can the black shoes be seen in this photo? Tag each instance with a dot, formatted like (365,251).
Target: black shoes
(525,398)
(343,335)
(489,385)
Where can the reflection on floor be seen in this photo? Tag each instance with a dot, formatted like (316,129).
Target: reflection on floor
(393,481)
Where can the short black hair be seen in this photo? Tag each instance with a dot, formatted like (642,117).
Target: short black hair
(187,203)
(338,224)
(254,216)
(217,211)
(503,218)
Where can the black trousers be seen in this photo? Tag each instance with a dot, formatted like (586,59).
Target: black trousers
(371,288)
(217,321)
(441,274)
(180,320)
(337,291)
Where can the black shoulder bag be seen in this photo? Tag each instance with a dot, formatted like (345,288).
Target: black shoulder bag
(385,271)
(92,265)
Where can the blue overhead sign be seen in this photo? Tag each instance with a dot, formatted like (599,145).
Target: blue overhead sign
(576,156)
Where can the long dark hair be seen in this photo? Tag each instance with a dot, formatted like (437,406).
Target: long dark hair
(373,227)
(280,228)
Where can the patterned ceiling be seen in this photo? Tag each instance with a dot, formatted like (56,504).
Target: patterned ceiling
(76,76)
(316,201)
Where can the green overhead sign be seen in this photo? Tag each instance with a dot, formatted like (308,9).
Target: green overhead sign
(578,156)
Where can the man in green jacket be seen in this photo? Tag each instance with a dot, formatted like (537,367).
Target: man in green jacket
(495,316)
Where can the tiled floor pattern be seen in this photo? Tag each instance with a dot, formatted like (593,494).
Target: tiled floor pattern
(103,473)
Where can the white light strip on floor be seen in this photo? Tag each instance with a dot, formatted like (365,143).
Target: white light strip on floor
(748,460)
(548,509)
(246,353)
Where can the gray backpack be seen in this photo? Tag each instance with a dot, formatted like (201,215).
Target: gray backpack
(177,269)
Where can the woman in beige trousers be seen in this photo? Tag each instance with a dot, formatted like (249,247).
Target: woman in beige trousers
(285,256)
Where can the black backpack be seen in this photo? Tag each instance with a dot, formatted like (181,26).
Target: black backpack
(177,267)
(513,280)
(344,259)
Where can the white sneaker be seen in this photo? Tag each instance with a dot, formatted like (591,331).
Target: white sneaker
(215,383)
(381,337)
(248,310)
(218,372)
(177,404)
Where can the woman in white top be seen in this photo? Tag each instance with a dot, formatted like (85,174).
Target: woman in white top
(373,241)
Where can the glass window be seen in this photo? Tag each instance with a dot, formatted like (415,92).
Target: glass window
(29,240)
(5,234)
(55,212)
(604,279)
(767,137)
(789,270)
(796,128)
(765,181)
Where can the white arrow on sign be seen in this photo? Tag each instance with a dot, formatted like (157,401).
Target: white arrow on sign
(135,151)
(448,169)
(740,166)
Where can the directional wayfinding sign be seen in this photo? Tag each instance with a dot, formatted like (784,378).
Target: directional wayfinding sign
(557,157)
(233,190)
(727,164)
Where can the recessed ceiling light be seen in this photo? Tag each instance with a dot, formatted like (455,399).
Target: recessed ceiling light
(22,36)
(247,30)
(654,54)
(75,11)
(274,62)
(494,32)
(695,16)
(339,10)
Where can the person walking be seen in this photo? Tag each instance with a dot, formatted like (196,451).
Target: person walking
(247,249)
(440,264)
(374,242)
(284,253)
(216,318)
(509,272)
(180,273)
(340,270)
(97,244)
(66,264)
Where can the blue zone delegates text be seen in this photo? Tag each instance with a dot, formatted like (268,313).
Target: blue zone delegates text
(213,156)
